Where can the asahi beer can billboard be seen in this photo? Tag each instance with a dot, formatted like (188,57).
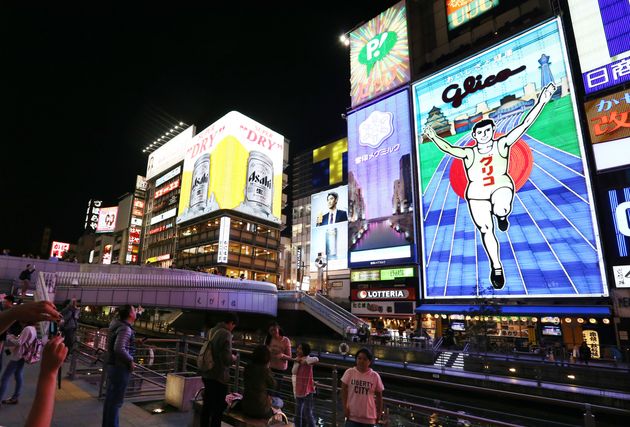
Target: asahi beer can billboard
(235,163)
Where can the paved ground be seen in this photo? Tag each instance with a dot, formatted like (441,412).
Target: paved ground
(76,404)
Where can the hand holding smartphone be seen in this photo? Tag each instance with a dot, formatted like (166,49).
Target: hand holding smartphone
(53,329)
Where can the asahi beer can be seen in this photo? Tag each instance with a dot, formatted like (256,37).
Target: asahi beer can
(331,243)
(200,180)
(259,185)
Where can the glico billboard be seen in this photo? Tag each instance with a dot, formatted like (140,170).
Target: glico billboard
(235,163)
(380,184)
(506,207)
(602,36)
(329,227)
(379,55)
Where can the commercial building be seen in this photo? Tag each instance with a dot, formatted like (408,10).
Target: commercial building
(229,215)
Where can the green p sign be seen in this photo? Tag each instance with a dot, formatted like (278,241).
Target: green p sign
(377,49)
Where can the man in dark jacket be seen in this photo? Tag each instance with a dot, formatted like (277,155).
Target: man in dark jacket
(217,379)
(121,348)
(70,315)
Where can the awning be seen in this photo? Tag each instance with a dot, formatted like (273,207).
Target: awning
(520,310)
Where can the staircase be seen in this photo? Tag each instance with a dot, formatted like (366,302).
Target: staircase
(324,310)
(450,359)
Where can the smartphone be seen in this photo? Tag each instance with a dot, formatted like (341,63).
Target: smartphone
(53,329)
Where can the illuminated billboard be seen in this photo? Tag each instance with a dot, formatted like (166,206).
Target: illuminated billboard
(58,249)
(91,215)
(458,12)
(619,200)
(506,206)
(330,164)
(235,163)
(169,154)
(329,227)
(608,119)
(379,55)
(602,36)
(107,219)
(380,184)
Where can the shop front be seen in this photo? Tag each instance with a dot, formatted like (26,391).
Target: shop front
(386,299)
(551,331)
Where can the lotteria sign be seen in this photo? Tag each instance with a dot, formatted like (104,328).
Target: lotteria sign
(506,205)
(383,294)
(379,55)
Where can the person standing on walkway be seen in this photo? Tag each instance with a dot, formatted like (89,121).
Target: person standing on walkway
(280,348)
(362,392)
(7,303)
(303,386)
(216,380)
(585,352)
(70,324)
(25,279)
(121,348)
(15,367)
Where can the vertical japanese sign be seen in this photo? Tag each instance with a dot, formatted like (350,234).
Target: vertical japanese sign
(380,184)
(506,207)
(602,36)
(608,119)
(379,55)
(91,215)
(224,240)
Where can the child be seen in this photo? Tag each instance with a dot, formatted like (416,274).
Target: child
(362,392)
(303,387)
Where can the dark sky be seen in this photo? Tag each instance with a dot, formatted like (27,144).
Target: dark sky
(87,87)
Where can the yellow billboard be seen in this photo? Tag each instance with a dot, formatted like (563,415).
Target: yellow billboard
(235,163)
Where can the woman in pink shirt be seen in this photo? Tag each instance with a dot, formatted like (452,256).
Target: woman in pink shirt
(280,348)
(304,386)
(362,392)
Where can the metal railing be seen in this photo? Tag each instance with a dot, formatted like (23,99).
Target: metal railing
(157,357)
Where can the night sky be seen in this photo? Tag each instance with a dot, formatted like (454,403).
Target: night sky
(87,87)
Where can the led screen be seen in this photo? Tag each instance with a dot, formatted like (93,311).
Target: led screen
(107,219)
(235,163)
(608,119)
(330,164)
(458,12)
(380,184)
(169,154)
(58,249)
(379,55)
(506,209)
(602,36)
(329,227)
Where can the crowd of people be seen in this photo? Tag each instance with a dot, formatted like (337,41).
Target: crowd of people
(265,380)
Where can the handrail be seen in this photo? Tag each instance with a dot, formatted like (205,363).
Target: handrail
(340,310)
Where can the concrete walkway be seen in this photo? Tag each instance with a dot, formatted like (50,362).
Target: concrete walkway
(76,404)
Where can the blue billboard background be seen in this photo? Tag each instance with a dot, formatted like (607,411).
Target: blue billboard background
(549,249)
(380,184)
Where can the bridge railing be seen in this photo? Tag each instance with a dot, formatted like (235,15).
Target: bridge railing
(156,358)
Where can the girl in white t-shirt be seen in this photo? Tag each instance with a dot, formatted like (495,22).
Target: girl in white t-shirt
(362,392)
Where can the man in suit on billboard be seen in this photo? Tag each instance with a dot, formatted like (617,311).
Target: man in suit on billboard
(334,215)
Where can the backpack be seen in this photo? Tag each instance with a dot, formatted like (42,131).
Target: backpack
(32,352)
(205,358)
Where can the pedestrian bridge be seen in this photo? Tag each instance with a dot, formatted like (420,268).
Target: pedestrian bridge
(183,290)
